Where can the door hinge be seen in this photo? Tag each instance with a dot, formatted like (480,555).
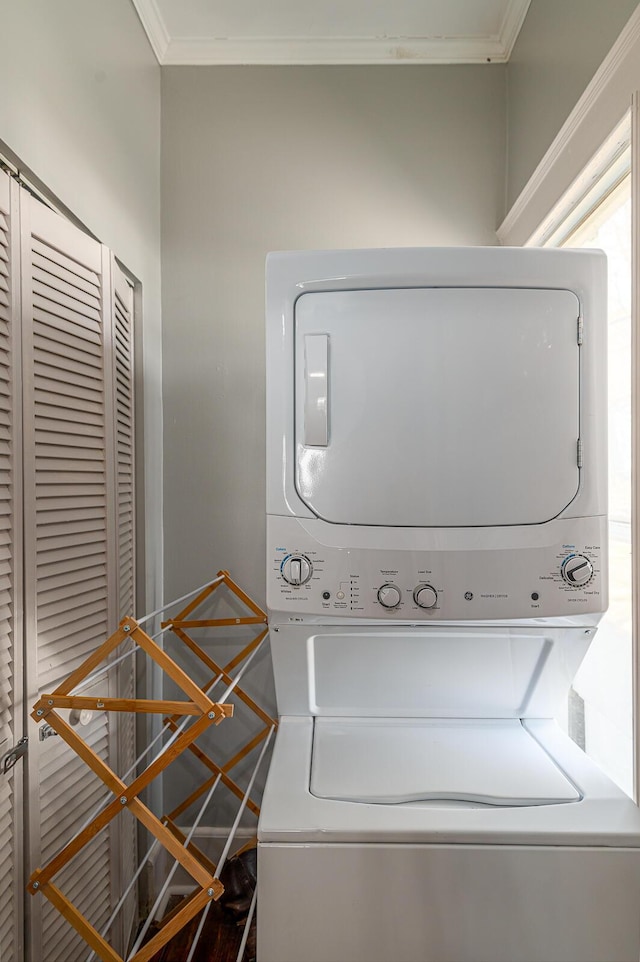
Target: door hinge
(9,168)
(579,453)
(580,329)
(9,758)
(46,731)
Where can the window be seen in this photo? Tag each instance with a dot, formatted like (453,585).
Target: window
(600,710)
(576,177)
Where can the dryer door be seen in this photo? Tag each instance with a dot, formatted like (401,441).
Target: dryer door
(437,407)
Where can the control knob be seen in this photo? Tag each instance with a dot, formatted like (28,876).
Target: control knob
(425,596)
(576,570)
(296,569)
(389,596)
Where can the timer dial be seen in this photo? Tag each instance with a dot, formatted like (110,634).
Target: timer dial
(425,596)
(389,596)
(576,570)
(296,569)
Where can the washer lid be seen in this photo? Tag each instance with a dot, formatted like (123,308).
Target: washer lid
(391,761)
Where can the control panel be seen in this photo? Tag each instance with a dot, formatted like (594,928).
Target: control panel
(306,578)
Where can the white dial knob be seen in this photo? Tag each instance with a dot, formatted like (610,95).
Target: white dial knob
(425,596)
(389,596)
(296,569)
(576,570)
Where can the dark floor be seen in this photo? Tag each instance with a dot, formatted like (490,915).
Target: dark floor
(219,942)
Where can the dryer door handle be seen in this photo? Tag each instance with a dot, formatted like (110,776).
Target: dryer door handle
(316,395)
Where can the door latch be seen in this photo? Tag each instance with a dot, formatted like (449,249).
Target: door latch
(9,758)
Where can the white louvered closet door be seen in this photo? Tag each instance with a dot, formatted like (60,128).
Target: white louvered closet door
(11,715)
(71,591)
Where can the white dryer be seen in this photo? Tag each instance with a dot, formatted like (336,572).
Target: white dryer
(436,568)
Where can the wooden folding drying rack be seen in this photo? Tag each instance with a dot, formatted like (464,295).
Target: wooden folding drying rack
(203,712)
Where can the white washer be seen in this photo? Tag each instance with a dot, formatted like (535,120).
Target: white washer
(436,568)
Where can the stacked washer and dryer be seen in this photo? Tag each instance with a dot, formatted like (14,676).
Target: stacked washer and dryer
(436,569)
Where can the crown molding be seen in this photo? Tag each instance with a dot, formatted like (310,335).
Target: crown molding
(201,51)
(154,26)
(511,24)
(347,50)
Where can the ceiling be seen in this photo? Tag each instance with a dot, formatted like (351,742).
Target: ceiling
(331,31)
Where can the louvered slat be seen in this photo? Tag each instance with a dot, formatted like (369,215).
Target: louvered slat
(61,581)
(48,276)
(45,321)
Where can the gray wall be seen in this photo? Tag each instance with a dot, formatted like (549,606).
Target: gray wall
(268,158)
(560,46)
(80,107)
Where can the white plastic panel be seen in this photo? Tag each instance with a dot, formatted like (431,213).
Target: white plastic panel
(516,573)
(428,672)
(450,671)
(446,407)
(345,903)
(391,761)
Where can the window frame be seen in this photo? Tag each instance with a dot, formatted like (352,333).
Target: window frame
(592,139)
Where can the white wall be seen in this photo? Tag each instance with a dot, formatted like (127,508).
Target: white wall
(80,107)
(560,46)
